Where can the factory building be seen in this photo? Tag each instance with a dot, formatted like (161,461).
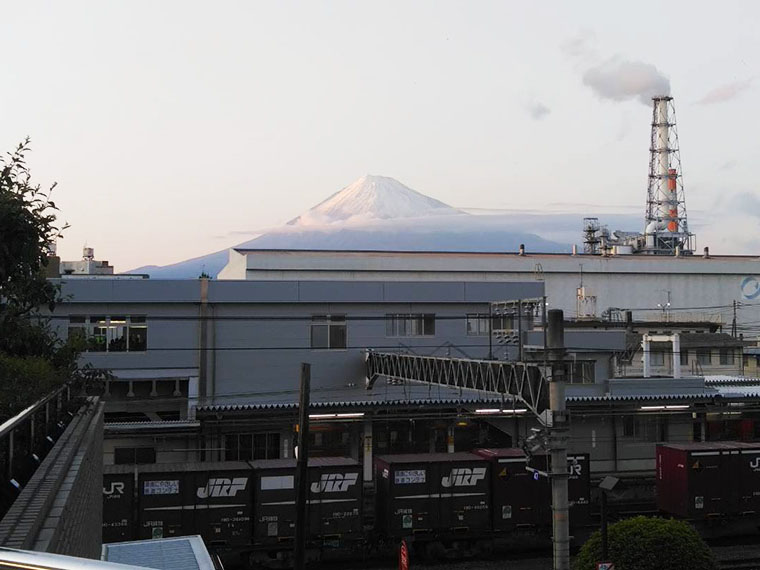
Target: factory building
(208,370)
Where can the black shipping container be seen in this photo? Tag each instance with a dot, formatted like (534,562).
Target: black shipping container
(118,506)
(515,495)
(578,487)
(433,494)
(748,475)
(334,494)
(210,499)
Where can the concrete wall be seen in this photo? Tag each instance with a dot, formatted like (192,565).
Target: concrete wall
(60,509)
(625,281)
(259,332)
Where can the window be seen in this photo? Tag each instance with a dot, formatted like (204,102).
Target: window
(477,325)
(727,356)
(643,428)
(582,372)
(248,446)
(657,358)
(684,357)
(328,331)
(704,356)
(410,325)
(134,455)
(116,333)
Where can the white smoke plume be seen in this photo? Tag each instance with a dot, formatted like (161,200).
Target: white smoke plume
(620,80)
(726,92)
(537,110)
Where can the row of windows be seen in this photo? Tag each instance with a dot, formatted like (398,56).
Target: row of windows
(110,333)
(726,356)
(478,324)
(130,333)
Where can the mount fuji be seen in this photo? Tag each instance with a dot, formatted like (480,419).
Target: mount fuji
(380,213)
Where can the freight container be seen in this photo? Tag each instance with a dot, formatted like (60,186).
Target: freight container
(118,505)
(527,495)
(209,499)
(515,495)
(748,477)
(700,480)
(433,494)
(334,500)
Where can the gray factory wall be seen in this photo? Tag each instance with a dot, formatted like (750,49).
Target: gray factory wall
(259,332)
(265,356)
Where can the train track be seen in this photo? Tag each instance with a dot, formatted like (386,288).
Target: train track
(738,557)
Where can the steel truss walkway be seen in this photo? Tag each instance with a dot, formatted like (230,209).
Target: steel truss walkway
(526,381)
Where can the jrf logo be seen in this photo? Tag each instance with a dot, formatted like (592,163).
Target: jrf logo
(222,487)
(334,482)
(755,464)
(464,477)
(116,488)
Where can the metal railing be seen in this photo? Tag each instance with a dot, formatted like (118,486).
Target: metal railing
(26,438)
(527,381)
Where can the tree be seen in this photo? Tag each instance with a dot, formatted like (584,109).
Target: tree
(648,543)
(33,360)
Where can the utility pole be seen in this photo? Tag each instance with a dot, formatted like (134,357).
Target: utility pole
(302,472)
(558,436)
(733,323)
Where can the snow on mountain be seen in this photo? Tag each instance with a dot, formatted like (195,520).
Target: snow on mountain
(371,198)
(380,213)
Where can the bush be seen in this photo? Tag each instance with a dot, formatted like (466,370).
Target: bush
(648,543)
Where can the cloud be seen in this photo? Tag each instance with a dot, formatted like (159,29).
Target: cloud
(538,110)
(746,203)
(580,45)
(725,92)
(618,79)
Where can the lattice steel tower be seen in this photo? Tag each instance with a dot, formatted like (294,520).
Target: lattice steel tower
(666,230)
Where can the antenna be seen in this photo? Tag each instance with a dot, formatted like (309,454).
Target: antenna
(666,230)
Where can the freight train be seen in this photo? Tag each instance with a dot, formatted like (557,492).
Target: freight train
(439,503)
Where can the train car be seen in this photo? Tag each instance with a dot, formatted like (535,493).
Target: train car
(163,500)
(521,495)
(118,503)
(436,495)
(705,480)
(515,495)
(334,500)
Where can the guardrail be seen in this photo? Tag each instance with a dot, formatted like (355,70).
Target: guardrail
(27,437)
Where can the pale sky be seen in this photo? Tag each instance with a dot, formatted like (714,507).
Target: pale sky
(171,125)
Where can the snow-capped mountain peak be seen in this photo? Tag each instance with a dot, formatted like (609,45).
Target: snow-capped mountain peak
(373,198)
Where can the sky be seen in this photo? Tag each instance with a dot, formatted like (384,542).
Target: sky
(172,128)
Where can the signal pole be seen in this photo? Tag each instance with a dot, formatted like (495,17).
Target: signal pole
(558,436)
(302,472)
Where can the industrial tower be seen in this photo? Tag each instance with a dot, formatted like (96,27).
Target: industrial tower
(666,230)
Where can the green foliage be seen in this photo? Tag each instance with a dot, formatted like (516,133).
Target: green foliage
(648,543)
(32,359)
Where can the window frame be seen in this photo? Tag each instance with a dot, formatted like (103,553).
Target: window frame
(727,357)
(98,332)
(409,325)
(333,324)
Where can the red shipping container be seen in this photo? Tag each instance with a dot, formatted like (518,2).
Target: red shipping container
(698,480)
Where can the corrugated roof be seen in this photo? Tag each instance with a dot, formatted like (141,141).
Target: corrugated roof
(386,395)
(180,553)
(707,395)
